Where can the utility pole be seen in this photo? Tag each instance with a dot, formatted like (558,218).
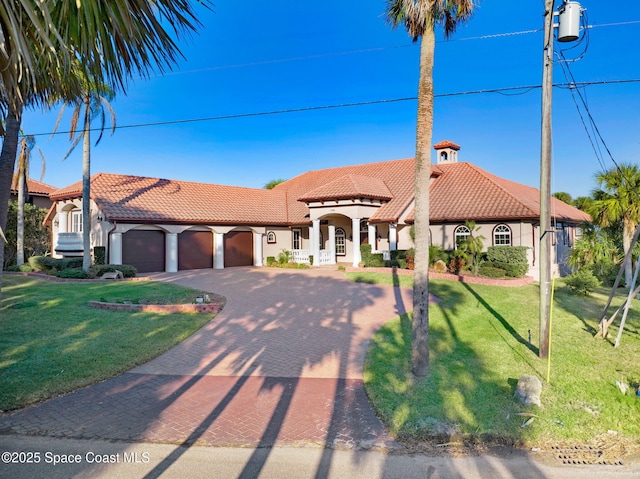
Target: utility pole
(545,181)
(569,28)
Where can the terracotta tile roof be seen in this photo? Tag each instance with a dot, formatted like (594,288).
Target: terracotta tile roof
(145,200)
(349,186)
(459,192)
(446,144)
(467,192)
(397,176)
(35,187)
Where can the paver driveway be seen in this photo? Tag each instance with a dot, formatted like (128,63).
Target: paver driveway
(282,364)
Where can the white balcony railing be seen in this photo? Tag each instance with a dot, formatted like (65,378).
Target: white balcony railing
(69,242)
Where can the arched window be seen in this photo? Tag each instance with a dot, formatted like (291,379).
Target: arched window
(502,235)
(461,233)
(341,238)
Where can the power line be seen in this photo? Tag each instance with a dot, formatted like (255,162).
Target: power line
(374,49)
(523,90)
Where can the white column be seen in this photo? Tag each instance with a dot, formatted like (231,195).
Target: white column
(355,234)
(314,237)
(393,237)
(218,250)
(332,243)
(63,218)
(171,252)
(371,235)
(115,250)
(257,249)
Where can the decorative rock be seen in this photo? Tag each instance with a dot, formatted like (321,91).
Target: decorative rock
(528,390)
(113,275)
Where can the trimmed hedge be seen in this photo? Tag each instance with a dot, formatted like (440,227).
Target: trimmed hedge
(365,254)
(47,263)
(507,254)
(492,272)
(72,273)
(511,259)
(99,254)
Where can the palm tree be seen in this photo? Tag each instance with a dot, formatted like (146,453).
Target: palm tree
(27,144)
(113,40)
(90,104)
(473,245)
(617,202)
(420,17)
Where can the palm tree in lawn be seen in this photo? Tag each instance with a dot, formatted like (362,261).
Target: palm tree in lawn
(113,40)
(420,17)
(89,105)
(617,201)
(27,145)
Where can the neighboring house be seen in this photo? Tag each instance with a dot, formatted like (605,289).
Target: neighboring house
(167,225)
(37,193)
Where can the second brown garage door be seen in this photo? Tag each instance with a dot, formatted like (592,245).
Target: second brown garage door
(195,250)
(238,248)
(144,250)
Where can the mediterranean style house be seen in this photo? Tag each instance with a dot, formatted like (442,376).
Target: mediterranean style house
(320,216)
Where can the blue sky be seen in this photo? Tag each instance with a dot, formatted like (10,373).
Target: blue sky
(258,56)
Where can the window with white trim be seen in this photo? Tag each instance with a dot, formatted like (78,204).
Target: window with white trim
(461,233)
(76,221)
(297,239)
(341,241)
(502,235)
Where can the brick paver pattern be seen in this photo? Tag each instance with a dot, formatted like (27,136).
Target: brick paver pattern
(281,364)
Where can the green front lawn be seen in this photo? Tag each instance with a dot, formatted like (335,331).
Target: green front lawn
(479,343)
(51,342)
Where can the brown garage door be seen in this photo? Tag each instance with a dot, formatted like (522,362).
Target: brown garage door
(238,248)
(195,250)
(144,250)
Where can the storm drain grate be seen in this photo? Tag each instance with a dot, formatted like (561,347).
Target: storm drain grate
(584,455)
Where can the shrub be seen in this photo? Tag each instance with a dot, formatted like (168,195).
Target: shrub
(492,272)
(73,273)
(376,260)
(284,256)
(411,258)
(513,270)
(456,265)
(311,259)
(127,270)
(99,254)
(365,253)
(512,259)
(435,253)
(582,282)
(398,259)
(36,263)
(507,254)
(271,260)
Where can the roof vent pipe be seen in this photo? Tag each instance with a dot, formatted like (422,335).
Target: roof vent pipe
(569,21)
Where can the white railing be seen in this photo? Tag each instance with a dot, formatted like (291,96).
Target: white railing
(69,242)
(386,254)
(326,257)
(300,255)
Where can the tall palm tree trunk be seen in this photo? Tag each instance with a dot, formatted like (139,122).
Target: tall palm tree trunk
(7,165)
(628,229)
(22,193)
(424,131)
(86,186)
